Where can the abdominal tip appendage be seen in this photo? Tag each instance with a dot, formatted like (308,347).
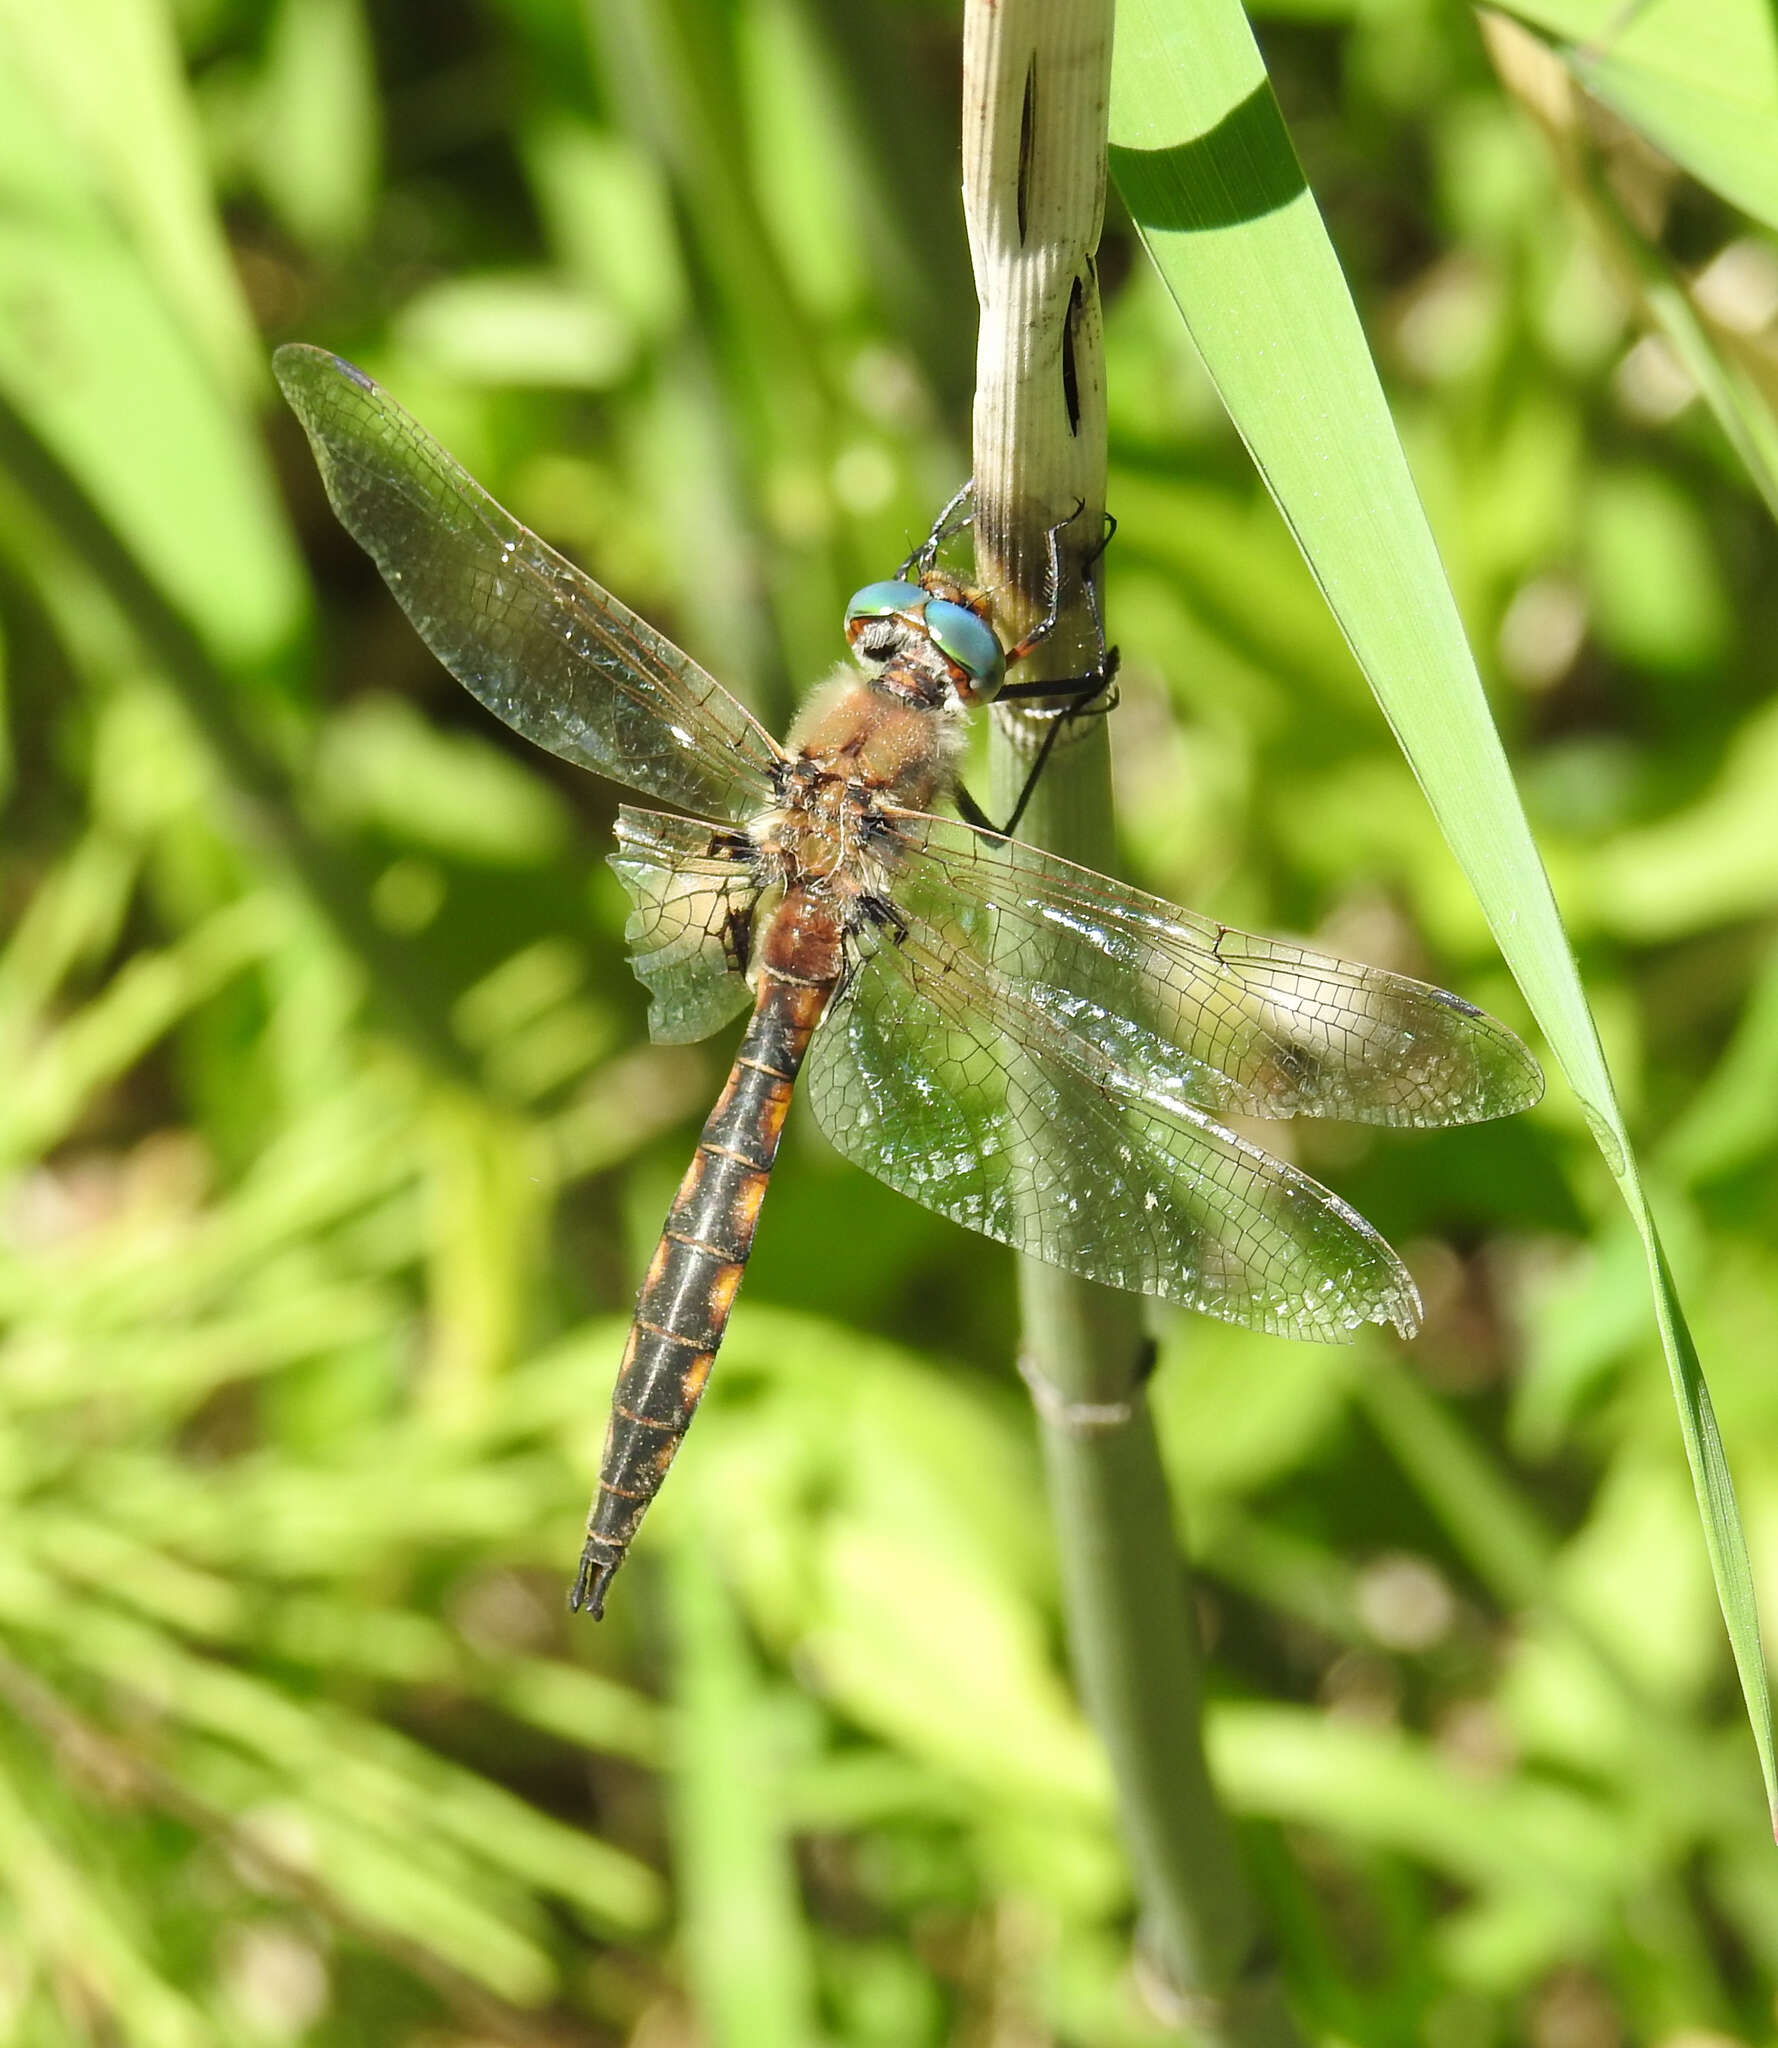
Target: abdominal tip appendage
(587,1594)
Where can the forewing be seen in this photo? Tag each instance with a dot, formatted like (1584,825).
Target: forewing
(695,893)
(937,1075)
(1243,1024)
(535,640)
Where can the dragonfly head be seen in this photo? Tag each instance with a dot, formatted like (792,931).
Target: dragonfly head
(942,638)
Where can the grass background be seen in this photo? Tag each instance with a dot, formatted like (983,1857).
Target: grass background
(332,1146)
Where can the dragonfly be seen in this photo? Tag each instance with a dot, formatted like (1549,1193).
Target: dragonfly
(1034,1050)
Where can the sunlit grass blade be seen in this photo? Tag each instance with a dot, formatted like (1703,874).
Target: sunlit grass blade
(1570,1851)
(370,1791)
(73,918)
(747,1957)
(1730,392)
(114,79)
(1699,80)
(181,478)
(582,1707)
(312,125)
(141,1003)
(1533,74)
(1207,170)
(80,1934)
(260,787)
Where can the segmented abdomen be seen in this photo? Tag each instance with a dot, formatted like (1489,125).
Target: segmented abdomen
(695,1273)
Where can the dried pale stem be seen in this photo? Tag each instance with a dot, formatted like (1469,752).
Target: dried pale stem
(1036,80)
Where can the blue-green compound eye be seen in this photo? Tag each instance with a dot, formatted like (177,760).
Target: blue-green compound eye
(883,600)
(970,642)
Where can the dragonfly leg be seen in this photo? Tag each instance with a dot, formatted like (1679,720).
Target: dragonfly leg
(1052,616)
(1091,696)
(881,912)
(951,520)
(972,813)
(1081,692)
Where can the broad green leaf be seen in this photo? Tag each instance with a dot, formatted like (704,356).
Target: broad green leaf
(1207,171)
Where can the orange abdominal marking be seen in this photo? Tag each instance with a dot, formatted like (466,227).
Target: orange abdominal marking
(630,1415)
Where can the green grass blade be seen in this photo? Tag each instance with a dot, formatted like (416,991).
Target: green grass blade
(113,78)
(1204,164)
(1712,358)
(1699,80)
(747,1957)
(1725,385)
(180,476)
(144,1000)
(81,1934)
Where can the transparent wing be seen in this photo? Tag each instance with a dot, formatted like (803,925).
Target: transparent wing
(695,893)
(1242,1024)
(538,642)
(942,1078)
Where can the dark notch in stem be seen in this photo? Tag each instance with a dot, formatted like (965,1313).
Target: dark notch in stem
(1027,146)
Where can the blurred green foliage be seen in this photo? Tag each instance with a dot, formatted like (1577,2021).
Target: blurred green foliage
(331,1145)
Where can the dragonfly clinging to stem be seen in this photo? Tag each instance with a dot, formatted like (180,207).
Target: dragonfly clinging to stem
(1025,1046)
